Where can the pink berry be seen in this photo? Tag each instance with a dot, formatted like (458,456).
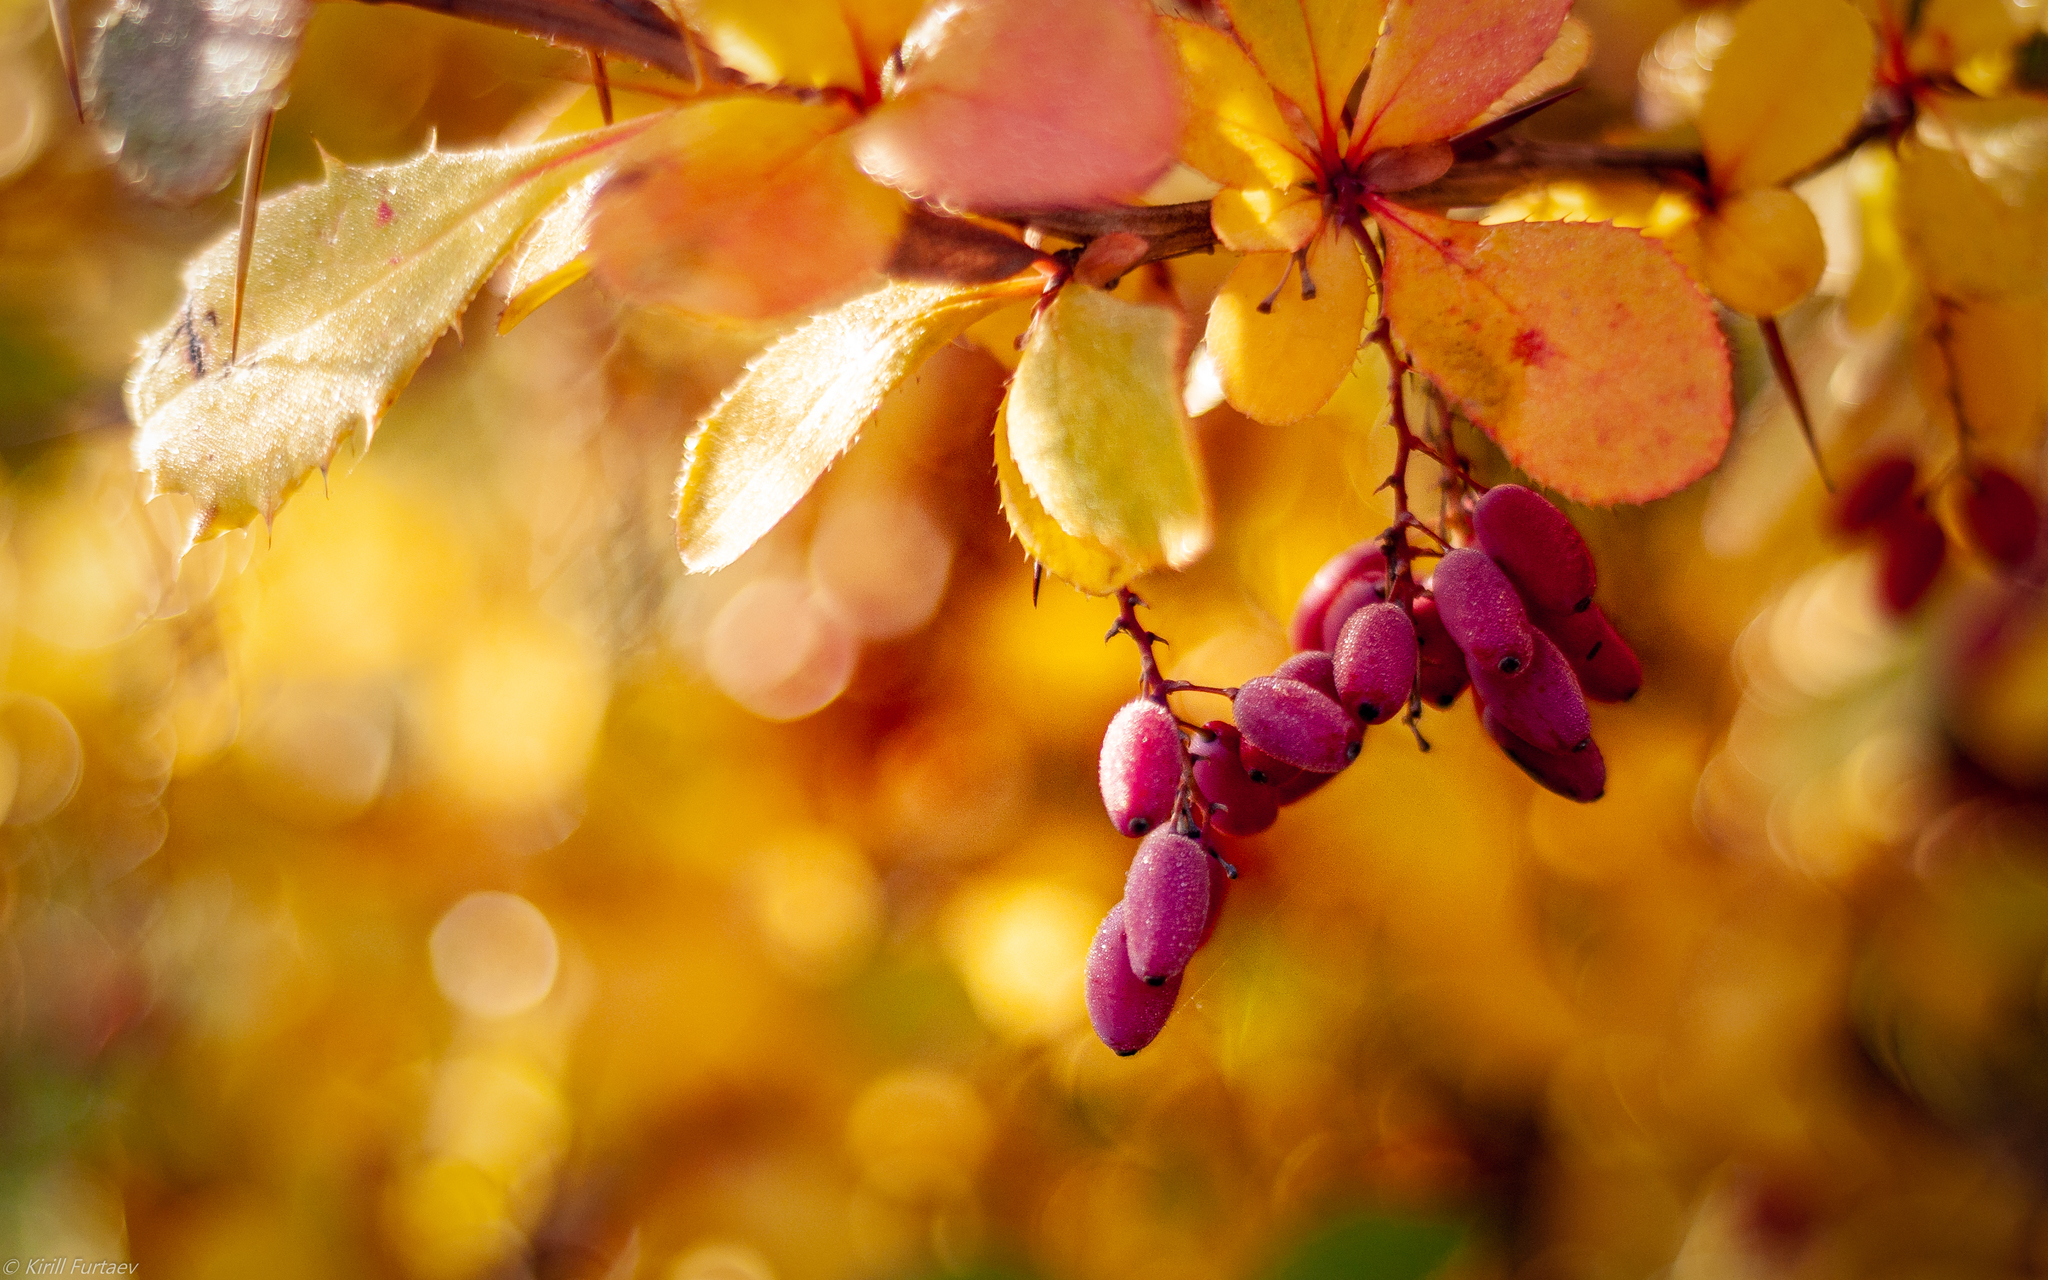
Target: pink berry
(1364,560)
(1375,662)
(1140,767)
(1575,775)
(2003,518)
(1878,494)
(1537,546)
(1294,723)
(1913,550)
(1542,705)
(1354,596)
(1440,669)
(1166,903)
(1607,668)
(1239,806)
(1482,611)
(1127,1012)
(1315,668)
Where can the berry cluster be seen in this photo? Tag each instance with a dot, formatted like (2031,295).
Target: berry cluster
(1999,513)
(1511,617)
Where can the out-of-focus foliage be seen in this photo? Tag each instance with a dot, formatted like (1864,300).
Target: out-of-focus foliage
(444,885)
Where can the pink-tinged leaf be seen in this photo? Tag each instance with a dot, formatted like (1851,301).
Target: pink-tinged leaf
(1583,349)
(1442,62)
(1011,104)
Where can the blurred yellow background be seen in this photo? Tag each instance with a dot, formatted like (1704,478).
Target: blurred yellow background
(442,884)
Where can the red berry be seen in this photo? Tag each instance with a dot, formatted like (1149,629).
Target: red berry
(1440,668)
(1246,808)
(1482,611)
(2002,516)
(1292,722)
(1375,662)
(1877,495)
(1315,668)
(1139,767)
(1354,596)
(1364,560)
(1913,549)
(1606,667)
(1166,903)
(1537,546)
(1127,1012)
(1575,775)
(1541,705)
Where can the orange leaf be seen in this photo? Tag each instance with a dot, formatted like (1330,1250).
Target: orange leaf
(1442,62)
(1584,350)
(1012,104)
(1310,50)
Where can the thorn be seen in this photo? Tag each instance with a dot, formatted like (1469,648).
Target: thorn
(1115,629)
(1788,378)
(1153,637)
(602,81)
(324,491)
(1037,580)
(245,237)
(67,52)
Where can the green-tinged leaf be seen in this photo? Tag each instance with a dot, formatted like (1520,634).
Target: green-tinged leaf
(1786,91)
(352,279)
(553,254)
(1099,434)
(1583,349)
(1084,565)
(802,403)
(1373,1247)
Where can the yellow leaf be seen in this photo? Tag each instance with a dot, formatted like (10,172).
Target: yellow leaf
(1233,131)
(1786,91)
(746,207)
(1264,220)
(811,44)
(1883,280)
(1085,565)
(1098,431)
(1964,236)
(1442,62)
(1762,251)
(1311,50)
(1584,350)
(1988,356)
(1284,365)
(553,254)
(352,279)
(1951,32)
(802,403)
(1565,58)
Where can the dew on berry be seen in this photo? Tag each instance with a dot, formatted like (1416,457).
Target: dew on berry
(1139,768)
(1537,546)
(1363,561)
(1295,723)
(1375,662)
(1482,611)
(1166,904)
(1126,1011)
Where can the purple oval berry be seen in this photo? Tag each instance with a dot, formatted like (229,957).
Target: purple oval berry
(1364,560)
(1140,767)
(1237,805)
(1575,775)
(1537,546)
(1354,596)
(1440,667)
(1315,668)
(1375,662)
(1542,704)
(1482,611)
(1292,722)
(1607,668)
(1126,1011)
(1166,903)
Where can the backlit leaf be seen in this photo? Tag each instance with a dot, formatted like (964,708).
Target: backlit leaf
(1285,365)
(1967,239)
(1786,91)
(177,86)
(1565,58)
(1442,62)
(802,403)
(552,255)
(1311,50)
(1951,32)
(1262,220)
(1099,433)
(811,44)
(351,281)
(1086,566)
(1760,252)
(1233,131)
(1012,104)
(1988,357)
(747,207)
(1584,350)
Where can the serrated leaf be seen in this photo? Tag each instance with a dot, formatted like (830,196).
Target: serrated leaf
(802,403)
(1583,349)
(552,255)
(1786,91)
(1442,62)
(351,281)
(1310,50)
(1233,130)
(1566,57)
(810,44)
(1086,566)
(1099,433)
(1284,364)
(177,86)
(1020,104)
